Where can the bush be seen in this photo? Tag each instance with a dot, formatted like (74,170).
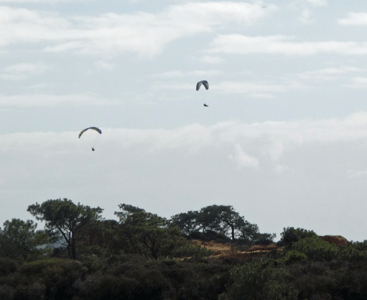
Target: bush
(56,275)
(353,252)
(315,280)
(126,281)
(7,266)
(291,235)
(6,292)
(315,248)
(260,280)
(292,256)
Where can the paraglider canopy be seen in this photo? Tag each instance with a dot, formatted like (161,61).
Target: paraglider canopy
(90,141)
(203,82)
(93,128)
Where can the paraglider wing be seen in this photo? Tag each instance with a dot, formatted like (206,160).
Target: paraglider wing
(204,82)
(94,128)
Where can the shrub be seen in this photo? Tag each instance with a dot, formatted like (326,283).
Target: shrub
(353,252)
(57,275)
(291,235)
(7,266)
(260,280)
(124,283)
(6,292)
(292,256)
(315,248)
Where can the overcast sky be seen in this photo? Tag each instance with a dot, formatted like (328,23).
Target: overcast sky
(284,139)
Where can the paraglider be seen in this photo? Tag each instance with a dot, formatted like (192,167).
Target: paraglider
(92,128)
(203,82)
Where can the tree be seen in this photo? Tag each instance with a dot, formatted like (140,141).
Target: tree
(209,219)
(220,220)
(224,219)
(230,219)
(148,234)
(64,216)
(291,235)
(127,211)
(187,222)
(20,239)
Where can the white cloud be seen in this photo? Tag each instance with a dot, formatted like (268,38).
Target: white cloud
(23,71)
(309,2)
(266,141)
(357,83)
(210,59)
(301,164)
(257,89)
(359,19)
(29,100)
(179,74)
(111,33)
(328,73)
(242,159)
(38,1)
(306,16)
(317,2)
(102,65)
(279,44)
(261,89)
(356,173)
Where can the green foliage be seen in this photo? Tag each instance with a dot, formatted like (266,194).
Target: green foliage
(43,279)
(57,276)
(127,210)
(187,222)
(353,252)
(263,238)
(148,234)
(209,235)
(260,280)
(136,277)
(66,218)
(292,256)
(19,240)
(317,280)
(222,220)
(133,258)
(315,248)
(7,266)
(291,235)
(6,292)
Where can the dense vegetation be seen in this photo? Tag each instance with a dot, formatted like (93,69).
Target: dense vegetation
(80,255)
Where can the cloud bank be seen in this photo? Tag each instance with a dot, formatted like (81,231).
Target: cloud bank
(111,33)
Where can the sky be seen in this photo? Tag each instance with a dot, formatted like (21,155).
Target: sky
(283,139)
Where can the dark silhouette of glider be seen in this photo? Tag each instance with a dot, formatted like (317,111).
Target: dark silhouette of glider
(204,83)
(93,128)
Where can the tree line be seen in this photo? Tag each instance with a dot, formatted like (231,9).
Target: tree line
(136,230)
(144,256)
